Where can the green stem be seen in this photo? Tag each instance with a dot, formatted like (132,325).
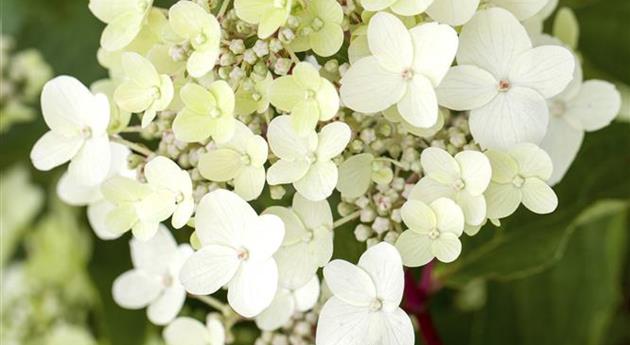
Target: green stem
(214,303)
(393,161)
(341,221)
(133,146)
(224,8)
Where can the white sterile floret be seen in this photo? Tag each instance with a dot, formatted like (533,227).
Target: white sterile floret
(458,12)
(306,95)
(308,240)
(503,81)
(237,248)
(286,303)
(434,231)
(188,331)
(240,160)
(364,306)
(519,175)
(404,69)
(585,106)
(400,7)
(144,89)
(78,123)
(306,161)
(153,282)
(358,172)
(124,19)
(73,192)
(268,14)
(163,174)
(201,30)
(463,178)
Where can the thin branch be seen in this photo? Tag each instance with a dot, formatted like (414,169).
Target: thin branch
(213,302)
(133,146)
(341,221)
(294,57)
(224,8)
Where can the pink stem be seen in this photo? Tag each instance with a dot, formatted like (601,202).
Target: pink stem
(416,303)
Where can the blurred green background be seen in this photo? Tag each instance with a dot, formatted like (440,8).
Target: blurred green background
(558,279)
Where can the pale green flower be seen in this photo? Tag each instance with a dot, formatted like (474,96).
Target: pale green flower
(202,30)
(124,19)
(268,14)
(320,28)
(254,97)
(144,90)
(207,113)
(359,171)
(186,330)
(119,119)
(240,160)
(307,96)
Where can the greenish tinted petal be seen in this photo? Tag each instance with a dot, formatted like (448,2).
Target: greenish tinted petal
(358,48)
(108,10)
(224,96)
(301,43)
(121,219)
(257,150)
(201,62)
(327,41)
(283,171)
(120,189)
(329,11)
(355,175)
(197,98)
(285,93)
(121,31)
(504,167)
(271,20)
(167,92)
(566,27)
(220,165)
(222,129)
(160,57)
(304,117)
(328,100)
(133,98)
(187,19)
(251,10)
(244,102)
(148,116)
(249,182)
(307,76)
(190,126)
(140,70)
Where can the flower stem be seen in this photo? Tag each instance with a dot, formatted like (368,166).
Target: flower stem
(294,57)
(133,146)
(213,302)
(224,6)
(341,221)
(416,303)
(393,161)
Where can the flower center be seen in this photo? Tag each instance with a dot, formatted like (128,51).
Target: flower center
(557,108)
(504,85)
(311,157)
(245,159)
(200,39)
(256,96)
(167,280)
(434,234)
(308,236)
(86,132)
(310,94)
(518,181)
(243,254)
(459,184)
(143,5)
(376,305)
(155,90)
(180,197)
(214,112)
(317,24)
(407,74)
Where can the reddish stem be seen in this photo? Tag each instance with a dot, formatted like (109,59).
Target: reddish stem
(416,303)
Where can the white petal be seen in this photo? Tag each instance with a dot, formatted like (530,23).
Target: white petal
(350,283)
(136,289)
(201,62)
(538,197)
(333,139)
(355,175)
(140,70)
(293,227)
(428,189)
(383,263)
(492,40)
(249,183)
(164,309)
(319,182)
(220,165)
(418,216)
(183,212)
(154,255)
(284,171)
(284,141)
(410,7)
(306,296)
(434,47)
(452,12)
(263,237)
(519,115)
(562,143)
(342,323)
(221,218)
(278,313)
(476,171)
(474,207)
(296,265)
(504,167)
(369,88)
(208,269)
(419,105)
(414,248)
(595,106)
(546,69)
(77,194)
(312,214)
(376,5)
(163,172)
(466,87)
(91,163)
(447,247)
(449,216)
(121,31)
(397,328)
(52,150)
(439,165)
(66,105)
(97,215)
(253,287)
(389,42)
(502,200)
(186,331)
(532,160)
(522,9)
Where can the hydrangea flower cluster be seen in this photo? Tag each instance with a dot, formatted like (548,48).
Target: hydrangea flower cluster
(259,128)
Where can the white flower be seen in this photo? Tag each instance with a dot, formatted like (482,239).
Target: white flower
(308,240)
(242,160)
(404,69)
(458,12)
(189,331)
(434,232)
(462,178)
(71,191)
(306,161)
(286,303)
(519,176)
(124,19)
(202,30)
(400,7)
(503,81)
(153,280)
(78,123)
(364,308)
(237,251)
(584,106)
